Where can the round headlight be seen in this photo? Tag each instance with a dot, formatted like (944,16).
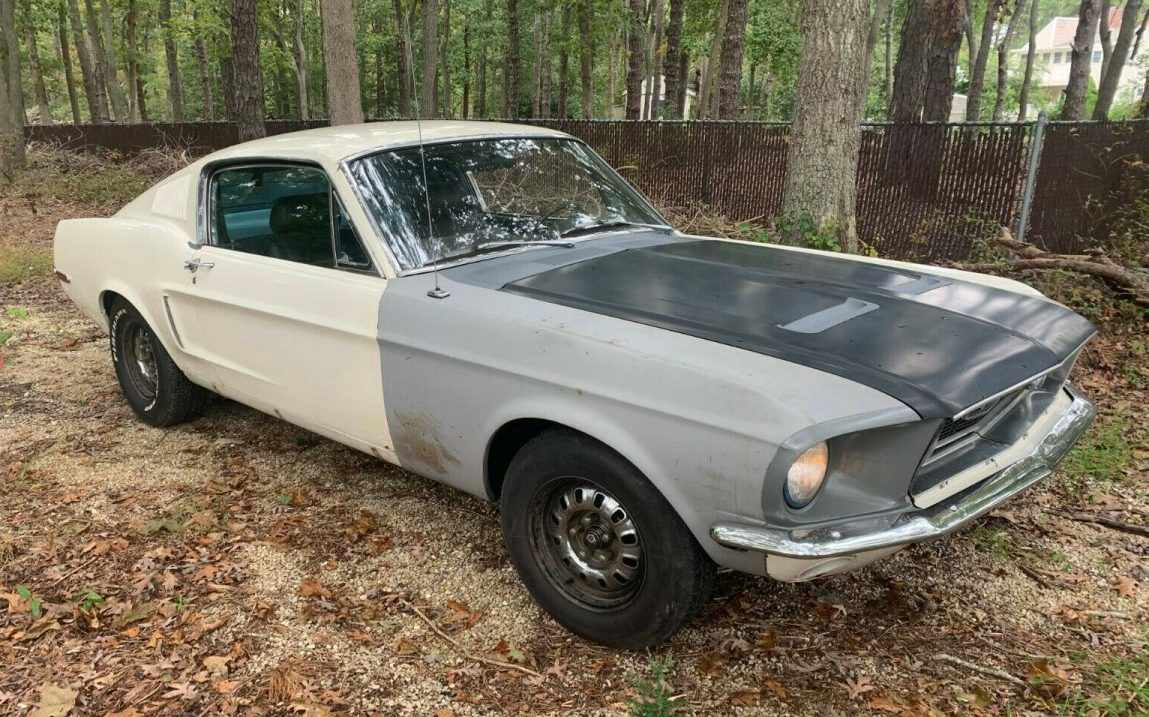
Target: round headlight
(806,475)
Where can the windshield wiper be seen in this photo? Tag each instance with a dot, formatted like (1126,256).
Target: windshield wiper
(495,245)
(599,226)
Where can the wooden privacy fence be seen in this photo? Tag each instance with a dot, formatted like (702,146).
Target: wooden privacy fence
(926,192)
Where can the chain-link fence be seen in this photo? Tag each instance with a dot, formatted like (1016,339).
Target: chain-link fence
(925,191)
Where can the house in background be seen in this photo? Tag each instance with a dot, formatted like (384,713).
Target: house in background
(1053,55)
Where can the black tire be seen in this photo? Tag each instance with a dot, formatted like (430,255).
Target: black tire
(656,594)
(156,389)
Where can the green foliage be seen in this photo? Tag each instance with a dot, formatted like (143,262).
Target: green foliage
(16,312)
(20,260)
(1103,453)
(1115,687)
(35,608)
(89,600)
(806,231)
(655,697)
(992,541)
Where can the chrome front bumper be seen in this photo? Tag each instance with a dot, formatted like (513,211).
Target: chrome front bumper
(872,534)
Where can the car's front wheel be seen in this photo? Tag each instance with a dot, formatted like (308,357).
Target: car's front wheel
(597,545)
(158,392)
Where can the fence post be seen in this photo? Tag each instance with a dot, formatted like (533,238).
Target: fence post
(1031,174)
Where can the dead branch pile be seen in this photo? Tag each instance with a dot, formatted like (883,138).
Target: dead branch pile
(1128,282)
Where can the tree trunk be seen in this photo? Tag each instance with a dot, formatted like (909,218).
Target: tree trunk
(713,62)
(246,71)
(43,109)
(908,95)
(877,22)
(970,36)
(977,79)
(683,85)
(141,94)
(1074,107)
(825,135)
(405,57)
(1030,55)
(888,68)
(673,54)
(1111,75)
(66,61)
(133,63)
(1143,112)
(207,87)
(512,72)
(100,67)
(730,74)
(634,61)
(546,87)
(175,86)
(1003,60)
(465,104)
(1104,35)
(653,65)
(430,55)
(341,62)
(481,85)
(112,63)
(564,62)
(299,57)
(1139,34)
(941,63)
(586,58)
(12,158)
(93,90)
(446,93)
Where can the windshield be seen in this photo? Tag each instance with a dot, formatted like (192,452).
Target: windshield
(486,194)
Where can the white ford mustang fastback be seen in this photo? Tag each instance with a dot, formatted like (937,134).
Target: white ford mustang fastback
(492,307)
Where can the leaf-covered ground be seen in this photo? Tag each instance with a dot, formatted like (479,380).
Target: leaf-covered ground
(239,565)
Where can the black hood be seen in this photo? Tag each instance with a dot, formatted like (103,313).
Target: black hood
(937,344)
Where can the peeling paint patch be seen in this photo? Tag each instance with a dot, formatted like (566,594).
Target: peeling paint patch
(419,446)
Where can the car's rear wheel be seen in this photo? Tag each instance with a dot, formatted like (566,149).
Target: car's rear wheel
(158,392)
(597,545)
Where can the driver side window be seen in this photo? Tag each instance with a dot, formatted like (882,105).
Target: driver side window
(283,212)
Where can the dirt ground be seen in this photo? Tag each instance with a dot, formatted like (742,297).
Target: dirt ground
(240,565)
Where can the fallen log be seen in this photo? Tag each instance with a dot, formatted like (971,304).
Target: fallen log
(1132,283)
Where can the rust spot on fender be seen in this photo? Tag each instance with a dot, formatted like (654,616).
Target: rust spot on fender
(418,445)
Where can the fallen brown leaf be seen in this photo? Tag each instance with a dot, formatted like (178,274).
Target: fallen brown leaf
(54,701)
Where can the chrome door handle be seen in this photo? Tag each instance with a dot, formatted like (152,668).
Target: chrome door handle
(197,263)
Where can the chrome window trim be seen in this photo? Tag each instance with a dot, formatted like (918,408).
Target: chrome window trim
(206,237)
(384,238)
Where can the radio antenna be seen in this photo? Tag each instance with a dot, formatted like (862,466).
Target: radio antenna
(437,292)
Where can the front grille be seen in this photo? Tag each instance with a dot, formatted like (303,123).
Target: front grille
(984,430)
(955,433)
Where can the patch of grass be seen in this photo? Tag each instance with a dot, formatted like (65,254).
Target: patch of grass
(20,260)
(1115,687)
(992,541)
(1103,453)
(655,697)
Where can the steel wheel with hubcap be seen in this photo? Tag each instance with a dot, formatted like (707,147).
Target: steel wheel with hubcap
(597,545)
(157,390)
(588,544)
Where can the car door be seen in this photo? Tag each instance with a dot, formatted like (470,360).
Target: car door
(283,302)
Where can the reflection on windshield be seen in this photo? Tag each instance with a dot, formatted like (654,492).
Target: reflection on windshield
(489,192)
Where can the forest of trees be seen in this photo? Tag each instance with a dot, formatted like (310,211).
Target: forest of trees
(824,64)
(175,60)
